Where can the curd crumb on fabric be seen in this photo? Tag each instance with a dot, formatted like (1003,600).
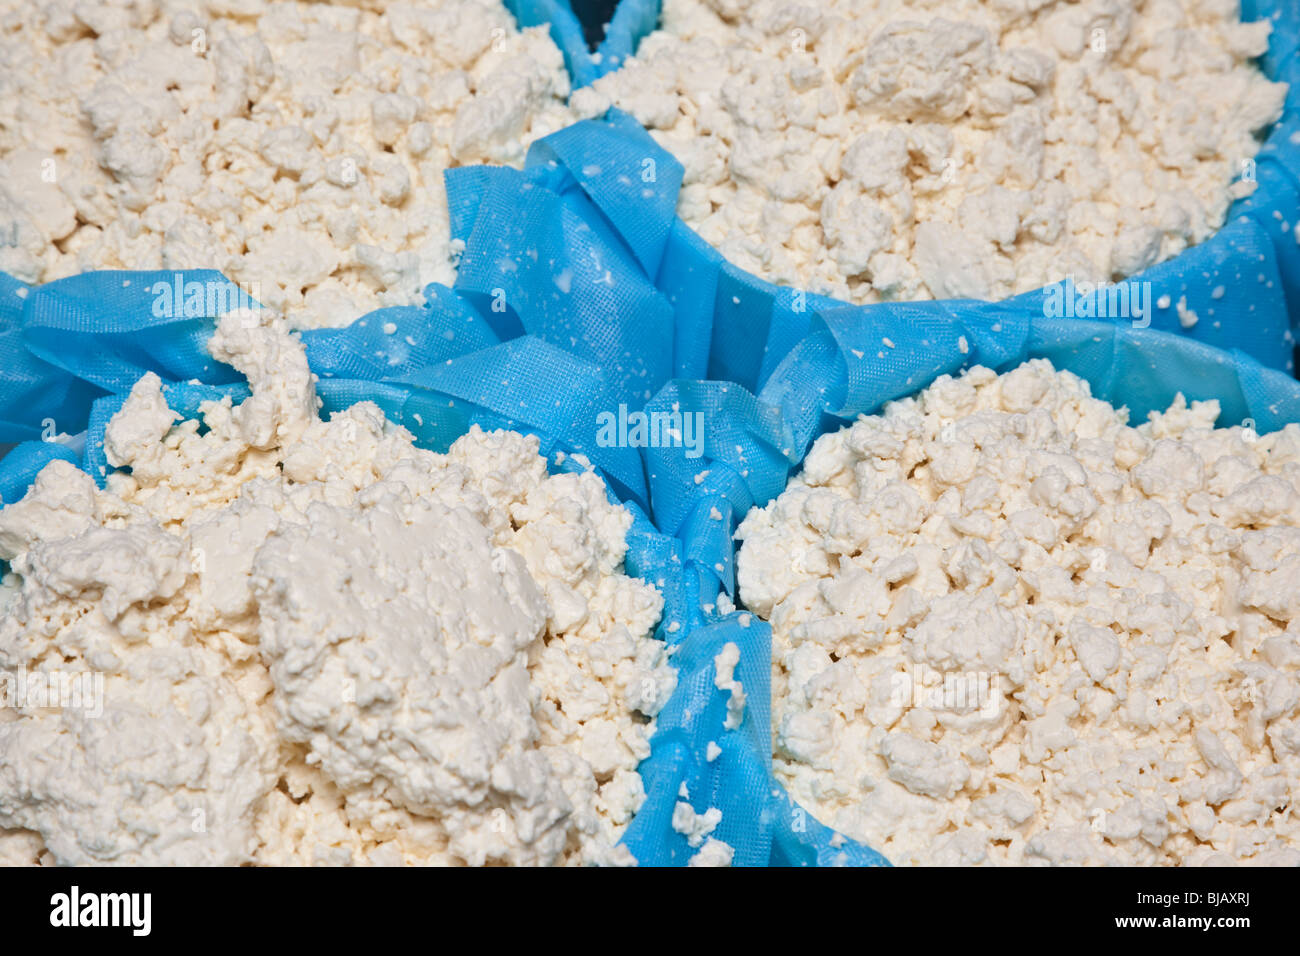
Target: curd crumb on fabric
(724,664)
(696,827)
(1008,628)
(712,853)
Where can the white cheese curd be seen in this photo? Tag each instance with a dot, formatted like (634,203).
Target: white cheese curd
(297,147)
(1010,629)
(915,149)
(317,643)
(713,853)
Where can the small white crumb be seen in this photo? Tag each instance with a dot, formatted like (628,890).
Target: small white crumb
(695,826)
(725,679)
(713,853)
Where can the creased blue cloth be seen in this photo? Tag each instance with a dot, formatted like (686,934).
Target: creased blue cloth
(586,313)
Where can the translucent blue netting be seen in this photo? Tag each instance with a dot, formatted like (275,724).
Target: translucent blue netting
(580,292)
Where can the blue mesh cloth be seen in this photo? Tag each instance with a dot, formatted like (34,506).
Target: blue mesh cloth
(586,313)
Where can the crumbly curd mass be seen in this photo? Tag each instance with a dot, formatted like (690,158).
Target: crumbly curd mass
(916,149)
(321,644)
(1010,629)
(296,147)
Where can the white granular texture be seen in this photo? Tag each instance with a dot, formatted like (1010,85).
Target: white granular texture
(297,147)
(1010,629)
(882,149)
(320,644)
